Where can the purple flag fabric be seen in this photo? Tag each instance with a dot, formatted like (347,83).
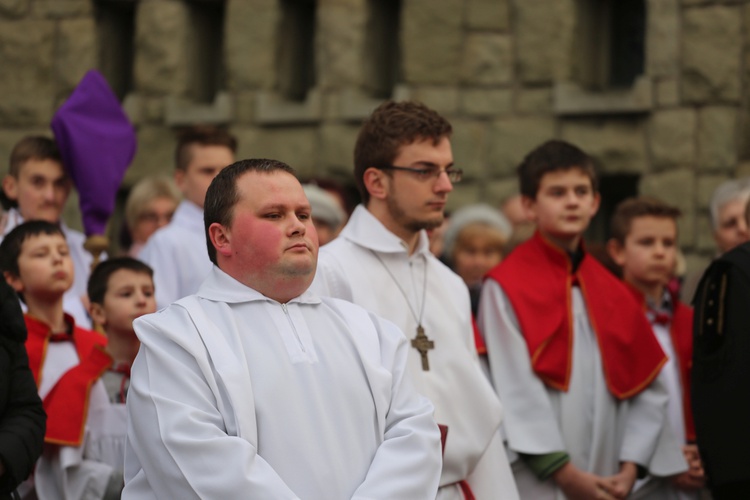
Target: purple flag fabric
(97,143)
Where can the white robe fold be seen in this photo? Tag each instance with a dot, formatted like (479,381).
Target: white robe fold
(234,395)
(350,268)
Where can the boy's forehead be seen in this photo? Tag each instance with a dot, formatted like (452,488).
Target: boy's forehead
(124,274)
(656,224)
(39,239)
(36,166)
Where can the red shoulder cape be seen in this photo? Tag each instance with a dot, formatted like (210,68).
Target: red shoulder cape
(67,403)
(681,332)
(537,279)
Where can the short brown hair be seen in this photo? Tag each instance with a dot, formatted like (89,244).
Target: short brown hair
(202,135)
(632,208)
(553,156)
(31,147)
(99,280)
(390,126)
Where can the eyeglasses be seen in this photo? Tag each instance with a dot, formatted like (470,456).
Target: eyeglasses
(155,218)
(426,174)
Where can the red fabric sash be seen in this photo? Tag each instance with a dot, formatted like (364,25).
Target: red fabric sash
(67,402)
(537,279)
(681,332)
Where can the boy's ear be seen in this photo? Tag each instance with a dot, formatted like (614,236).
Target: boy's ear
(10,187)
(96,311)
(616,251)
(220,238)
(529,207)
(375,183)
(13,281)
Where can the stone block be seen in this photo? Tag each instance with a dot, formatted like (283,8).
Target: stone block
(295,146)
(667,92)
(26,56)
(444,100)
(544,39)
(155,155)
(707,184)
(469,143)
(676,187)
(487,59)
(511,139)
(488,15)
(534,100)
(14,9)
(486,102)
(431,40)
(742,170)
(704,234)
(154,109)
(717,143)
(337,146)
(250,36)
(71,213)
(76,51)
(162,31)
(244,106)
(463,194)
(662,38)
(339,44)
(497,191)
(711,54)
(63,8)
(671,136)
(617,145)
(696,263)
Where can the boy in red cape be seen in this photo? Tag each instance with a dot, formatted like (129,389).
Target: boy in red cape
(66,362)
(572,355)
(644,244)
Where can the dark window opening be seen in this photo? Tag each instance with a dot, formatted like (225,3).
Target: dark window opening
(381,47)
(115,21)
(613,189)
(296,49)
(205,54)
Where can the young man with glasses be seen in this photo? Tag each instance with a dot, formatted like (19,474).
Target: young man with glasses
(381,261)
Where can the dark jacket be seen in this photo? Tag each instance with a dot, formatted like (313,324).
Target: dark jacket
(22,418)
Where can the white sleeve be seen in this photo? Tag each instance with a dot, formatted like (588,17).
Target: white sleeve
(178,445)
(408,463)
(529,417)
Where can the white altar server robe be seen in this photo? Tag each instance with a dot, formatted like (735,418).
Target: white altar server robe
(596,430)
(178,255)
(234,395)
(349,268)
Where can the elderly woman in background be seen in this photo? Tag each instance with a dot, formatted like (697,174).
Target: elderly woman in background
(150,205)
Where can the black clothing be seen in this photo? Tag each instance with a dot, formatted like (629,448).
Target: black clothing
(22,418)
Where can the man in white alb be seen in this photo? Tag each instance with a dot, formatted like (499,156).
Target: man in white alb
(381,261)
(177,252)
(257,388)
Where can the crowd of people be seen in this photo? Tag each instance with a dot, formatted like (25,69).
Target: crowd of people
(303,349)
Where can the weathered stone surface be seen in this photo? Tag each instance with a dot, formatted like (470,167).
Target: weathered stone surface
(671,136)
(544,39)
(617,145)
(487,60)
(154,109)
(469,142)
(667,92)
(488,15)
(711,53)
(76,51)
(160,42)
(676,187)
(534,100)
(337,146)
(339,43)
(30,85)
(707,184)
(431,40)
(244,106)
(155,154)
(294,146)
(71,213)
(63,8)
(486,102)
(444,100)
(512,138)
(704,240)
(249,41)
(717,144)
(14,8)
(662,38)
(496,192)
(742,170)
(462,195)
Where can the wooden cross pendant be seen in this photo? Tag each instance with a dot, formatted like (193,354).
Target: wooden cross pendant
(423,344)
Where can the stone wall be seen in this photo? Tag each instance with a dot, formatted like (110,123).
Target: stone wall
(502,70)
